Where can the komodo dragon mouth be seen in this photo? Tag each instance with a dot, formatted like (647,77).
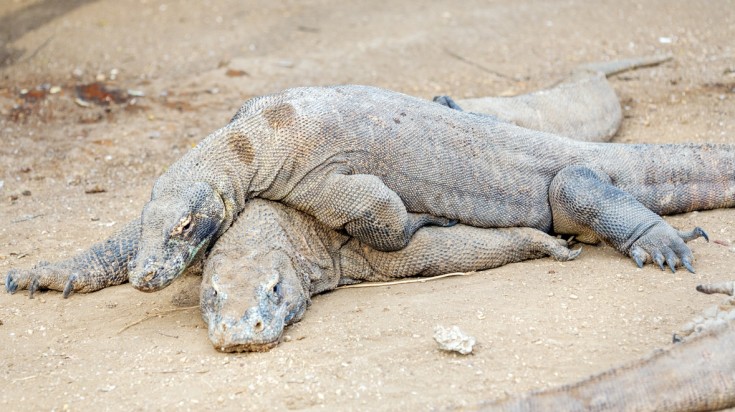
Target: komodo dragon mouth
(247,347)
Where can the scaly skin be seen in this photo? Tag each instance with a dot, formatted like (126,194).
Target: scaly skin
(261,274)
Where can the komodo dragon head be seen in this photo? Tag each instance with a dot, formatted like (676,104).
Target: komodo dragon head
(176,229)
(258,277)
(248,300)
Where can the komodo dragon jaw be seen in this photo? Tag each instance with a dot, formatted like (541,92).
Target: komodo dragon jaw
(248,302)
(175,230)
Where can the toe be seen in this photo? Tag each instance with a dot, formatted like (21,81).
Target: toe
(658,257)
(639,256)
(11,285)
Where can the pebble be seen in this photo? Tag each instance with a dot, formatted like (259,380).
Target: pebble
(453,340)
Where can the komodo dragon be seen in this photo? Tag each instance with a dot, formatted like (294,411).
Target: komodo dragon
(379,165)
(261,273)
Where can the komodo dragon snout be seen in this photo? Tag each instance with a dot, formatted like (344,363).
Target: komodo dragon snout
(248,301)
(176,227)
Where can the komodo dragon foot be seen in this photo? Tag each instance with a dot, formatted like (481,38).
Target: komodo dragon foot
(102,265)
(664,244)
(447,101)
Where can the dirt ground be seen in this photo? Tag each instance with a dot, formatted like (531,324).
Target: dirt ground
(70,175)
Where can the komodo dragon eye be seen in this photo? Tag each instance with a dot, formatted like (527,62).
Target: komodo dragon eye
(275,289)
(183,227)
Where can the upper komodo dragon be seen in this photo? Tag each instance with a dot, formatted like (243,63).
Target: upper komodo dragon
(380,164)
(260,275)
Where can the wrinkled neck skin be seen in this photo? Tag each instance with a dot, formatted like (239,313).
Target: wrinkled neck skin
(195,201)
(261,274)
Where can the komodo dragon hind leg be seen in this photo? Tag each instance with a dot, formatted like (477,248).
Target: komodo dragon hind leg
(585,203)
(364,207)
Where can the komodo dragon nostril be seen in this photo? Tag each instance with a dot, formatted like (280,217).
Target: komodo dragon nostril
(258,327)
(149,276)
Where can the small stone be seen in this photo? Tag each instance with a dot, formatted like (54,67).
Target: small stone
(453,340)
(573,296)
(26,193)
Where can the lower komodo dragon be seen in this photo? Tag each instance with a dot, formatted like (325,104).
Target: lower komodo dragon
(198,197)
(260,275)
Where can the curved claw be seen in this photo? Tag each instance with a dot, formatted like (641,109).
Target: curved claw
(702,233)
(659,259)
(639,256)
(671,261)
(33,287)
(574,253)
(69,287)
(11,286)
(687,263)
(693,234)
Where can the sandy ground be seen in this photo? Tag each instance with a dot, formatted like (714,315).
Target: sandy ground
(70,175)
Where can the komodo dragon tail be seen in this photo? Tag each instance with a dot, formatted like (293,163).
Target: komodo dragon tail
(583,106)
(698,375)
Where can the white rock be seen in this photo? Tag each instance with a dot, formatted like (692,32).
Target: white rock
(454,340)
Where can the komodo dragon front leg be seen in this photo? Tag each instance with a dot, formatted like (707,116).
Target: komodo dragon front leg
(103,265)
(585,203)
